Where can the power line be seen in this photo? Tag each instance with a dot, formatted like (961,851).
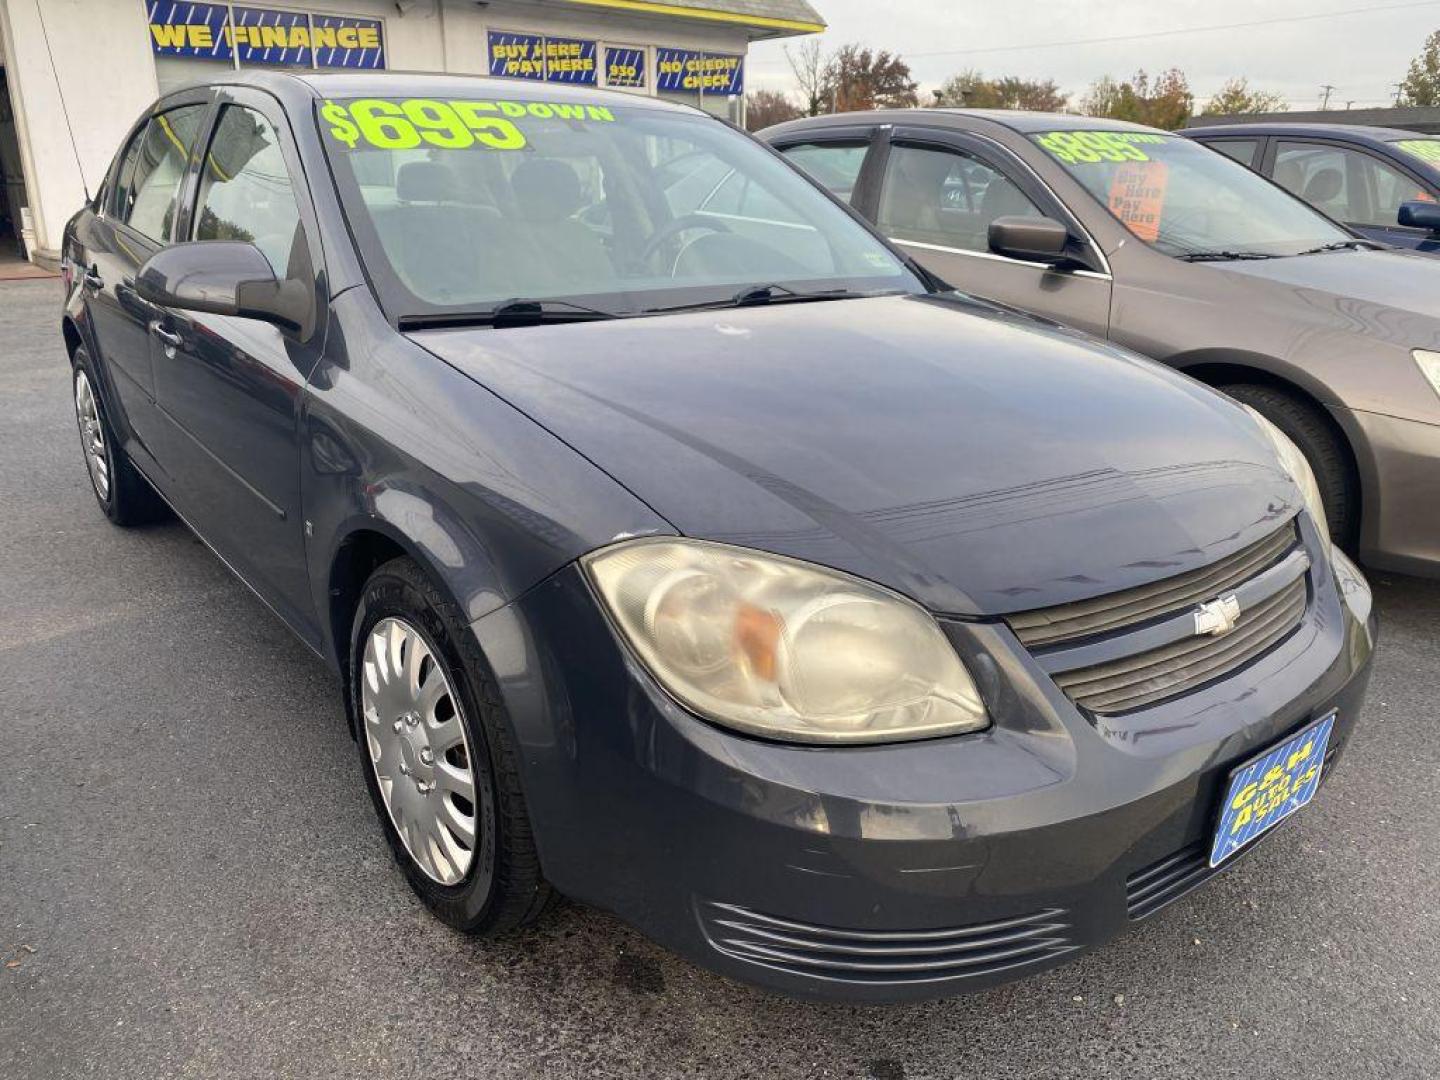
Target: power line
(64,110)
(1175,33)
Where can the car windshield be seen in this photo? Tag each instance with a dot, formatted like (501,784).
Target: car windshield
(464,206)
(1426,150)
(1185,199)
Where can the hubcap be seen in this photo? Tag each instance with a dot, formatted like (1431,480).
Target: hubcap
(419,750)
(92,435)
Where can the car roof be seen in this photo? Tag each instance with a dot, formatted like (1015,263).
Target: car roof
(1358,132)
(391,84)
(1024,123)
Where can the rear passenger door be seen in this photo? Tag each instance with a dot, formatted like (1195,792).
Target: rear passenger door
(230,388)
(937,198)
(136,218)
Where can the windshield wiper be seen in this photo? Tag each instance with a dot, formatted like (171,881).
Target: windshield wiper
(1223,256)
(1343,245)
(520,311)
(774,293)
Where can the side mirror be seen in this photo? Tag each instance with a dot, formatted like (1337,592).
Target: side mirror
(1420,215)
(1034,239)
(224,277)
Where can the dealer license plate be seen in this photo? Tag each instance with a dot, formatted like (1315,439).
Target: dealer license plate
(1269,788)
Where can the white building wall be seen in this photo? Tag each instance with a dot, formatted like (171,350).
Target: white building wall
(106,68)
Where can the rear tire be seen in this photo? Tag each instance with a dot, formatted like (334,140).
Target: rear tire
(125,497)
(1313,433)
(466,848)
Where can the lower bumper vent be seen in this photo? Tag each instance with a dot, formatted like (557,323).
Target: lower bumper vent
(885,956)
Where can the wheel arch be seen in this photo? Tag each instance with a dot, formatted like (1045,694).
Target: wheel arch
(358,551)
(73,338)
(1216,368)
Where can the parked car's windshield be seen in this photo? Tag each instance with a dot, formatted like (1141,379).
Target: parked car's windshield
(462,205)
(1186,199)
(1426,150)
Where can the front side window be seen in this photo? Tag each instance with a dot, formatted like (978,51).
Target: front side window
(164,148)
(1185,200)
(245,189)
(460,205)
(1349,185)
(946,197)
(836,165)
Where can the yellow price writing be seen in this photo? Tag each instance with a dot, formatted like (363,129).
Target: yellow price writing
(1424,149)
(1091,147)
(449,125)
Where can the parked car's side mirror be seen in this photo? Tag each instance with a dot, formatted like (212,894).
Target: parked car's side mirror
(1420,214)
(1034,239)
(223,277)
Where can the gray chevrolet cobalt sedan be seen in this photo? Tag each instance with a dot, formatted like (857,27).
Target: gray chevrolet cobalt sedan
(1184,255)
(845,634)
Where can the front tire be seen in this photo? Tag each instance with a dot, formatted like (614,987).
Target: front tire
(1317,439)
(125,497)
(437,756)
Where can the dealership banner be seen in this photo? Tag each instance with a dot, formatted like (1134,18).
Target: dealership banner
(517,56)
(624,66)
(196,30)
(570,60)
(263,36)
(258,35)
(680,71)
(534,56)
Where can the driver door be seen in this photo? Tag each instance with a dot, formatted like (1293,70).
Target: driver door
(229,389)
(938,195)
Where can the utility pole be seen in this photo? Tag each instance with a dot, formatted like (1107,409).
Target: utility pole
(1326,90)
(1399,86)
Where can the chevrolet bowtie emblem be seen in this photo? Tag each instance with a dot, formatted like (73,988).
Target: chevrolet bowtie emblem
(1216,617)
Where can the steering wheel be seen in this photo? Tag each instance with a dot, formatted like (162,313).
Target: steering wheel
(678,226)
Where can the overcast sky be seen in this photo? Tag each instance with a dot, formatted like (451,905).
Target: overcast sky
(1363,54)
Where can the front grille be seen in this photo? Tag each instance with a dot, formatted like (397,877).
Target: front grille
(885,956)
(1146,677)
(1116,611)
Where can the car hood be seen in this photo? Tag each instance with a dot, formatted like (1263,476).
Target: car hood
(1386,295)
(961,455)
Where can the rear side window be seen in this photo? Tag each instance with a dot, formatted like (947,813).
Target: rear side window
(1241,150)
(162,152)
(118,204)
(835,165)
(245,189)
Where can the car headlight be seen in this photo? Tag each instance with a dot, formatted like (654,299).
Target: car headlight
(1294,464)
(784,649)
(1429,366)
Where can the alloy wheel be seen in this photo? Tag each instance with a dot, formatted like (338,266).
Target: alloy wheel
(92,434)
(419,750)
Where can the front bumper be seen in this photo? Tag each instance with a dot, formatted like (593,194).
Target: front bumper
(1401,473)
(902,871)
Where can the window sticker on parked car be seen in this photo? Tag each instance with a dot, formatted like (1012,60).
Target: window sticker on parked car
(1080,147)
(1424,149)
(1137,196)
(451,125)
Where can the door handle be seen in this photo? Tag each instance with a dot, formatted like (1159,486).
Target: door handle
(171,339)
(93,280)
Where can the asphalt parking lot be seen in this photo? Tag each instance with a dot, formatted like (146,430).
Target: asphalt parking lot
(192,883)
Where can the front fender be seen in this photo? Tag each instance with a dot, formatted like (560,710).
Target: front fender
(394,441)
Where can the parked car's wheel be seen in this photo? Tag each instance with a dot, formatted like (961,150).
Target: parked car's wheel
(438,757)
(124,495)
(1317,440)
